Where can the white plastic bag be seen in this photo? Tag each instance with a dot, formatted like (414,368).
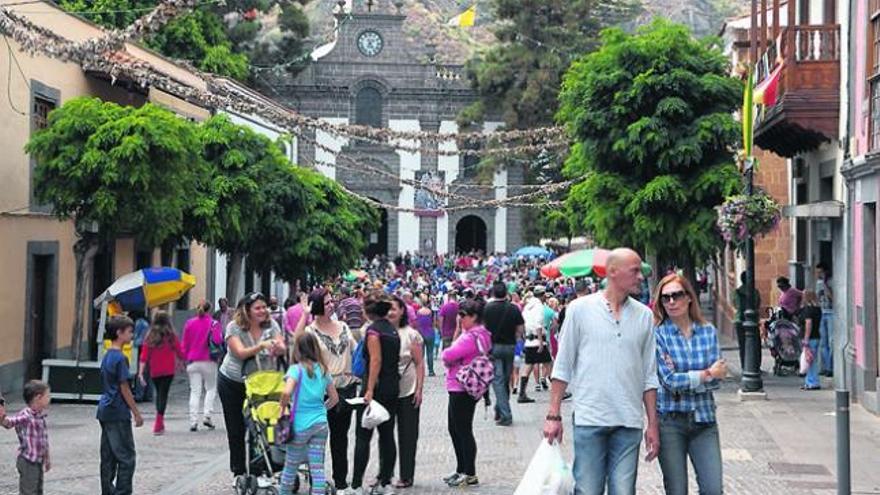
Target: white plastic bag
(375,415)
(806,360)
(547,474)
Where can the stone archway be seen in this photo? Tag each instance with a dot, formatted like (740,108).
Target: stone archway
(471,233)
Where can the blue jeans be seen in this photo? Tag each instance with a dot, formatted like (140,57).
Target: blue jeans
(606,455)
(502,354)
(826,329)
(428,354)
(812,379)
(680,437)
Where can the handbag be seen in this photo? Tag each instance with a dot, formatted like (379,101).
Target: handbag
(216,351)
(374,415)
(476,376)
(806,360)
(285,422)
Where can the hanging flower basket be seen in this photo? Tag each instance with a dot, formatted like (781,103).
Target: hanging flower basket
(742,216)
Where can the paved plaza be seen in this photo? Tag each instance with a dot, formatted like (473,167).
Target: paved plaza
(784,445)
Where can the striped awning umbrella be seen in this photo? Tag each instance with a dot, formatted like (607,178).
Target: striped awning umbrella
(148,288)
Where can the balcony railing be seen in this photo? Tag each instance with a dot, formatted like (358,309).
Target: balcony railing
(808,93)
(817,43)
(875,114)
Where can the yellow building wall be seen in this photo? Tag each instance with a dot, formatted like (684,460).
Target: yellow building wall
(15,232)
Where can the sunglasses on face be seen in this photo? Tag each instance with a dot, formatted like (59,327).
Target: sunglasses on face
(254,296)
(463,314)
(673,296)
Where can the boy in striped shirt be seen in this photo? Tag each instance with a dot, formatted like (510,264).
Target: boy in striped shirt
(33,437)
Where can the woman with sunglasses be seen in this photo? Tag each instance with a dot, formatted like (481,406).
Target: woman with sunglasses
(254,342)
(336,342)
(473,341)
(689,366)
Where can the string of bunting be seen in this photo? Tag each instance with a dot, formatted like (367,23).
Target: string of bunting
(361,167)
(154,20)
(35,39)
(167,10)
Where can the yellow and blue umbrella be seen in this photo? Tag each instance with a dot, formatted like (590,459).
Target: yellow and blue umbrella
(148,288)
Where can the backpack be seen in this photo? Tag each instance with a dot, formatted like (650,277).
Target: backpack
(215,350)
(476,376)
(358,360)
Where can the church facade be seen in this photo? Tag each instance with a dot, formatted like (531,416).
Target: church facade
(373,74)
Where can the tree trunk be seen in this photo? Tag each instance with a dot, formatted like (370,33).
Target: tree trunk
(84,251)
(236,260)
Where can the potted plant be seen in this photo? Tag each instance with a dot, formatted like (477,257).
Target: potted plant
(742,216)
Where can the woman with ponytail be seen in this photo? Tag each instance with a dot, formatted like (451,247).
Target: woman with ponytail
(160,353)
(200,368)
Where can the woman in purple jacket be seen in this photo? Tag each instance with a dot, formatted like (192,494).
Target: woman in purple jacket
(460,414)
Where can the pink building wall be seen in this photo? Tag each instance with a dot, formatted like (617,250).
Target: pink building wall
(858,282)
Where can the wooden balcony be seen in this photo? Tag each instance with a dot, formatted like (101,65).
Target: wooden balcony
(807,109)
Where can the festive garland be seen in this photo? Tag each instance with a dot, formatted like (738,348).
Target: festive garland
(91,53)
(35,39)
(164,12)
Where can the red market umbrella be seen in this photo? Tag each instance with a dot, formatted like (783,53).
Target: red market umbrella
(579,263)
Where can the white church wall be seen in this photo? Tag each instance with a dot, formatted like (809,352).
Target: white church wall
(449,165)
(325,160)
(407,222)
(500,179)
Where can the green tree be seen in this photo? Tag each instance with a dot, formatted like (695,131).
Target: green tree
(652,117)
(323,229)
(519,77)
(113,170)
(223,38)
(235,197)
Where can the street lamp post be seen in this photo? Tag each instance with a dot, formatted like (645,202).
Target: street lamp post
(751,375)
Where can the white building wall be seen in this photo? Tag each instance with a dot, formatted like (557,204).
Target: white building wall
(325,162)
(407,222)
(500,179)
(449,164)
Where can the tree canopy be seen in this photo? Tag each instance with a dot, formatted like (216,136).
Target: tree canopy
(652,117)
(223,38)
(128,170)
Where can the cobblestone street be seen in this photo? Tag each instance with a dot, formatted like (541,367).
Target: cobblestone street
(784,445)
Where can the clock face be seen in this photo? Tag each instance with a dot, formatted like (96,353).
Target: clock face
(370,43)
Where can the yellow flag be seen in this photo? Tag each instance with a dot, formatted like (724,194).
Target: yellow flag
(466,18)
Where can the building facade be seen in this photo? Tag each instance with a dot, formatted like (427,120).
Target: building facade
(36,249)
(373,74)
(861,172)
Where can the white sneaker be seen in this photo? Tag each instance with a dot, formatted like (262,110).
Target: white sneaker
(355,491)
(449,477)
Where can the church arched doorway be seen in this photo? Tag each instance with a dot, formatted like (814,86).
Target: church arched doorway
(470,234)
(377,243)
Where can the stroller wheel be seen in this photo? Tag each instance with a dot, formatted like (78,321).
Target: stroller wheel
(252,487)
(241,485)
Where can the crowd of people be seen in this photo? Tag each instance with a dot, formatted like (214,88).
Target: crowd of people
(370,340)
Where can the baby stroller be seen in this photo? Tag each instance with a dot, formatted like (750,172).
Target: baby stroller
(264,459)
(784,336)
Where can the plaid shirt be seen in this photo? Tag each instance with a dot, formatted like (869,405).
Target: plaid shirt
(33,434)
(680,364)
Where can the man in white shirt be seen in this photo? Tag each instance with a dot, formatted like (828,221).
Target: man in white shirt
(607,354)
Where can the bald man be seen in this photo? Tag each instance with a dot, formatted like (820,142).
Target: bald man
(606,353)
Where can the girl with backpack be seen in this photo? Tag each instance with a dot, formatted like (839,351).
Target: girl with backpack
(474,342)
(307,382)
(201,336)
(160,353)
